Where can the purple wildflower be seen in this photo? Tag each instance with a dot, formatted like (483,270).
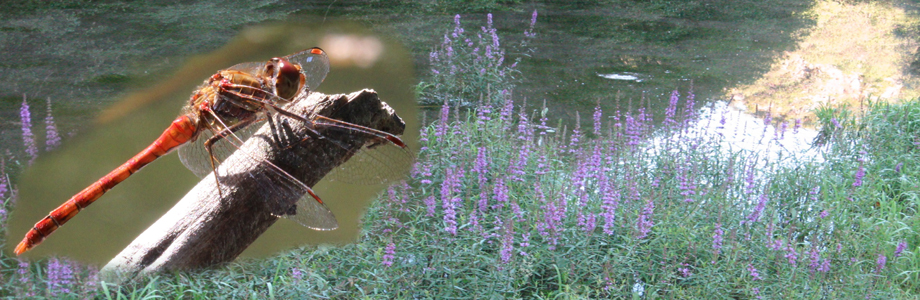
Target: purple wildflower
(533,18)
(507,247)
(501,193)
(823,214)
(442,122)
(825,266)
(611,200)
(633,130)
(749,179)
(798,124)
(717,238)
(27,138)
(4,185)
(525,242)
(576,135)
(775,245)
(686,185)
(23,271)
(482,169)
(504,115)
(670,112)
(495,43)
(782,129)
(880,263)
(860,172)
(296,274)
(836,123)
(598,114)
(753,272)
(60,276)
(897,168)
(553,214)
(688,107)
(684,270)
(755,215)
(449,202)
(814,260)
(457,29)
(791,254)
(389,253)
(425,171)
(533,21)
(431,204)
(644,222)
(52,139)
(898,250)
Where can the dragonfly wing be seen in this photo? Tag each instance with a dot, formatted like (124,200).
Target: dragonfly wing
(195,156)
(377,160)
(312,214)
(314,65)
(248,67)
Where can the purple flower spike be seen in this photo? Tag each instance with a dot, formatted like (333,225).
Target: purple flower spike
(753,272)
(27,138)
(791,254)
(880,263)
(296,274)
(860,173)
(443,120)
(60,276)
(389,254)
(814,260)
(23,271)
(52,139)
(507,247)
(755,215)
(669,113)
(717,238)
(598,114)
(533,18)
(644,222)
(901,246)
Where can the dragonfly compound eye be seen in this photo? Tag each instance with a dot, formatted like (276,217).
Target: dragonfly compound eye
(287,82)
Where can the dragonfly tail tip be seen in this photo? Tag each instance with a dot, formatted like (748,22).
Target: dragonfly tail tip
(21,248)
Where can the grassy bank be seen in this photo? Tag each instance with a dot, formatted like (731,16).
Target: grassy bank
(500,205)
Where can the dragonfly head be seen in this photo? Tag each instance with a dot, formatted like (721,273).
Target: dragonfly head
(285,77)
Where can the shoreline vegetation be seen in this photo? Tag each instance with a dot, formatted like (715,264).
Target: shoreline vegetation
(504,204)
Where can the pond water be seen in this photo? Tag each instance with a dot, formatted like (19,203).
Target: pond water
(120,59)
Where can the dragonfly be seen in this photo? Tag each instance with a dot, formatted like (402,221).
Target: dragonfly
(224,111)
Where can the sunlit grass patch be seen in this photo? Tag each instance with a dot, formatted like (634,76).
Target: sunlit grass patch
(855,51)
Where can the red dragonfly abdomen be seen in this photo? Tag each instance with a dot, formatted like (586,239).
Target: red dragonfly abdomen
(179,132)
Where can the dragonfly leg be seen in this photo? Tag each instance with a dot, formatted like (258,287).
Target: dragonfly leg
(266,103)
(223,134)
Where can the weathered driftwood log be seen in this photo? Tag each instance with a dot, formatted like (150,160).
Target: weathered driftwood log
(207,228)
